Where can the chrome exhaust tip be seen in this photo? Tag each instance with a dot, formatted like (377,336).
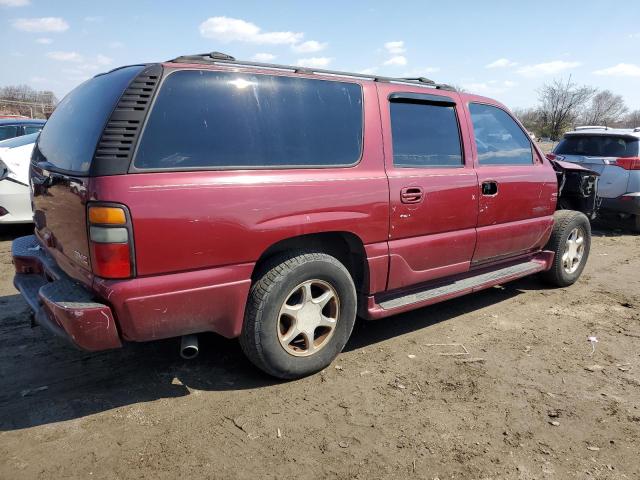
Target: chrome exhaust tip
(189,347)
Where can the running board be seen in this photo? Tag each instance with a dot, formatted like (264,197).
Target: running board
(409,300)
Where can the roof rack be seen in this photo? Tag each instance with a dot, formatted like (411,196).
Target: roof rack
(224,59)
(592,127)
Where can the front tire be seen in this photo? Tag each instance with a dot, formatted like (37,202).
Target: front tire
(570,241)
(300,314)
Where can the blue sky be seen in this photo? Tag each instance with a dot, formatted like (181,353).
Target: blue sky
(501,49)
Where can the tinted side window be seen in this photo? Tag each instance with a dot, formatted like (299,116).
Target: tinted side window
(19,141)
(425,135)
(28,129)
(499,139)
(69,138)
(205,119)
(8,131)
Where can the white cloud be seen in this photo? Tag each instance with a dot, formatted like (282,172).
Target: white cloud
(395,48)
(634,35)
(501,63)
(225,29)
(44,41)
(317,62)
(115,44)
(491,87)
(65,56)
(14,3)
(93,19)
(368,71)
(397,60)
(620,70)
(309,46)
(263,57)
(548,68)
(40,25)
(419,72)
(37,80)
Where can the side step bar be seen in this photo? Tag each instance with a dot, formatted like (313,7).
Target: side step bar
(379,307)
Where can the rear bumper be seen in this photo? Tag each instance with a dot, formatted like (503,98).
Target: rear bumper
(627,203)
(15,199)
(138,309)
(59,304)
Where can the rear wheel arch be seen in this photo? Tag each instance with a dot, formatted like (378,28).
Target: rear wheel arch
(347,247)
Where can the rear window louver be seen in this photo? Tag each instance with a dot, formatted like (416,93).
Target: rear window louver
(116,146)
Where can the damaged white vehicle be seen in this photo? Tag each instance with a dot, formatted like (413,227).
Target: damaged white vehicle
(15,200)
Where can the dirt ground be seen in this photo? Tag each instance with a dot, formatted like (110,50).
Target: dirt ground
(529,401)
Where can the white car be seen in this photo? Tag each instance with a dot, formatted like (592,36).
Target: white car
(15,199)
(615,154)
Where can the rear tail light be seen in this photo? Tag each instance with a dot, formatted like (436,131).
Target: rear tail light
(111,241)
(629,163)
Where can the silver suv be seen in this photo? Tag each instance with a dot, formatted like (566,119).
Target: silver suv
(615,154)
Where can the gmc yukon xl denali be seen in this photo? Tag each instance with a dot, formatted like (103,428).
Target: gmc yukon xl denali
(276,203)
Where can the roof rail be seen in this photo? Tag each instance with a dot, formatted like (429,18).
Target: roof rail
(224,59)
(428,81)
(592,127)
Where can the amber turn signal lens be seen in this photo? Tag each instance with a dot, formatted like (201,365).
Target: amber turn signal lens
(107,215)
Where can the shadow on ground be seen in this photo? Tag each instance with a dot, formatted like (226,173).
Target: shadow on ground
(46,381)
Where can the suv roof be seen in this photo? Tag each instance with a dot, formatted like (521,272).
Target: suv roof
(597,130)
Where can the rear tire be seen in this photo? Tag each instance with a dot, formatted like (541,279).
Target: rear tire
(300,314)
(636,223)
(570,241)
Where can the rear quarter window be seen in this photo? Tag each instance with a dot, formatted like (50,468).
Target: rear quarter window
(69,138)
(211,120)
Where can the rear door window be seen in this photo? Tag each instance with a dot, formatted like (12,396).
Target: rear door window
(8,131)
(499,139)
(425,135)
(598,146)
(211,120)
(28,129)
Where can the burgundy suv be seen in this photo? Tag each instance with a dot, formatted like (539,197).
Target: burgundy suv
(276,203)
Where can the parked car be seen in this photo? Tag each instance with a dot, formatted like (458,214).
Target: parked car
(16,127)
(15,201)
(615,154)
(273,203)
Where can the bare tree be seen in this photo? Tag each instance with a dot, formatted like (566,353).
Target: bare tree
(22,99)
(561,103)
(632,119)
(606,108)
(530,118)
